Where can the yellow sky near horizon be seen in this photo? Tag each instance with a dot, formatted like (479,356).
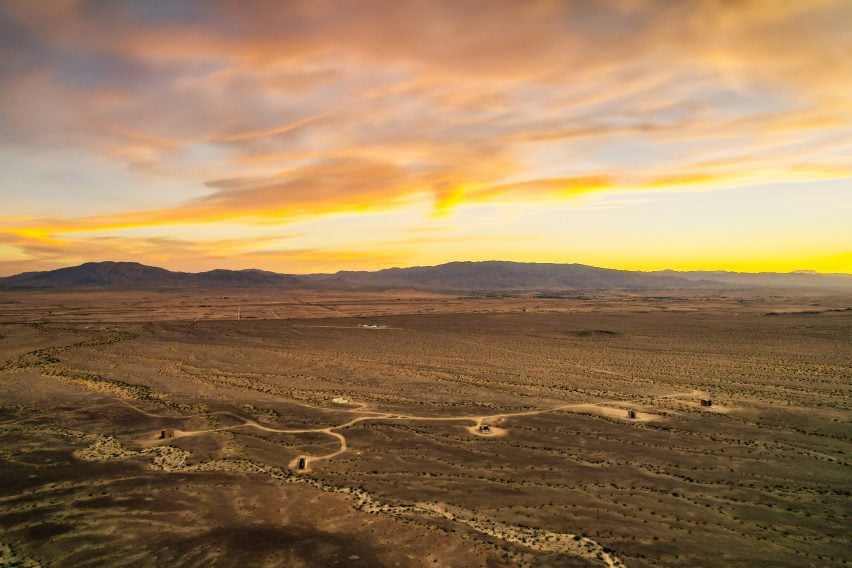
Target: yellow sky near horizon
(328,135)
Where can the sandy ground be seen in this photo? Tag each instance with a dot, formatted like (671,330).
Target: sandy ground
(565,478)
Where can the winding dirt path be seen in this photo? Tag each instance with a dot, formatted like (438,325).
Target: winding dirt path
(477,420)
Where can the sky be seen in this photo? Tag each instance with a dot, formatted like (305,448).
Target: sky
(321,136)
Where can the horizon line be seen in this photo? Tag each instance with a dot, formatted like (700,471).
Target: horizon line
(802,271)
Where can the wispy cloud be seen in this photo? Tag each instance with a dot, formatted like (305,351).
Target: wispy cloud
(301,109)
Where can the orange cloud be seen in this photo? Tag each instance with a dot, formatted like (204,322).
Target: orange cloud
(292,111)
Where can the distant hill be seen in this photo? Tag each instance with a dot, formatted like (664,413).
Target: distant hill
(797,279)
(453,276)
(135,275)
(500,275)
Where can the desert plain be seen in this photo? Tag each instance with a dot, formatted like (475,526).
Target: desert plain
(397,428)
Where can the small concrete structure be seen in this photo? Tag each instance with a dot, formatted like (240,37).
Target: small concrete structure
(631,414)
(340,400)
(706,402)
(164,434)
(302,463)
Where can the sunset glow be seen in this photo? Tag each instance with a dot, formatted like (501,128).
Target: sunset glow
(321,136)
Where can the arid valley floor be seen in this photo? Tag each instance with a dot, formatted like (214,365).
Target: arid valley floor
(165,429)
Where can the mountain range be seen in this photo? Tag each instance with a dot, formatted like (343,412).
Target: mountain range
(453,276)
